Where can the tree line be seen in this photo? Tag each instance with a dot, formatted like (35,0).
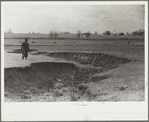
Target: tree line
(79,34)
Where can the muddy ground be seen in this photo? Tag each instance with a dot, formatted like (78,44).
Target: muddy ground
(73,76)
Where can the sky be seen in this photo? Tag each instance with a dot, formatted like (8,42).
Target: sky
(24,18)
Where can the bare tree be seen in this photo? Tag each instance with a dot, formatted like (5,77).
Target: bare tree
(78,34)
(121,34)
(127,34)
(107,33)
(88,34)
(56,34)
(138,32)
(96,33)
(53,34)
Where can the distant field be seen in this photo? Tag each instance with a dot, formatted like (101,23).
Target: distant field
(72,42)
(69,36)
(119,46)
(106,47)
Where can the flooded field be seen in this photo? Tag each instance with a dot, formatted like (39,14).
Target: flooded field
(75,70)
(73,42)
(117,46)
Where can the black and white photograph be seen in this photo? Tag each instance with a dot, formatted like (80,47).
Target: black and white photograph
(74,53)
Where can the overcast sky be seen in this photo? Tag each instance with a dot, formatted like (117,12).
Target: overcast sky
(100,18)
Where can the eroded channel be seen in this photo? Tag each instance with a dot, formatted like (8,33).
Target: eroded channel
(60,81)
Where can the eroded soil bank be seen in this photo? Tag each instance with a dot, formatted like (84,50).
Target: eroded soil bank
(87,77)
(97,59)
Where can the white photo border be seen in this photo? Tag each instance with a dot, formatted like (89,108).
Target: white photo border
(66,111)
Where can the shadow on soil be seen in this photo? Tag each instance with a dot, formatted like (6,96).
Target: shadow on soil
(61,79)
(19,51)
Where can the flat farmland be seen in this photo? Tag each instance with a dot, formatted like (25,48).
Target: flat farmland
(111,63)
(135,47)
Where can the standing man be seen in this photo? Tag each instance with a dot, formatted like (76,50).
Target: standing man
(25,49)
